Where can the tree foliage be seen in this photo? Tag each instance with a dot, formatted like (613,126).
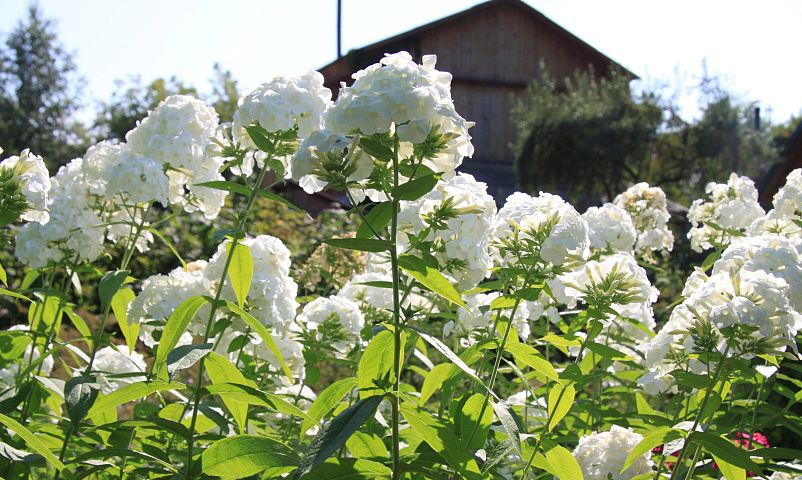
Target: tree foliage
(39,93)
(588,138)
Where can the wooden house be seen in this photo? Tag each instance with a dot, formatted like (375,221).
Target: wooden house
(493,50)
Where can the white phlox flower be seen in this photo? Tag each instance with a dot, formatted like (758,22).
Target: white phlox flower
(31,174)
(326,314)
(110,362)
(321,158)
(731,206)
(647,207)
(610,227)
(602,454)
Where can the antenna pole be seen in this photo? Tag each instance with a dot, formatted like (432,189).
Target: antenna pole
(339,28)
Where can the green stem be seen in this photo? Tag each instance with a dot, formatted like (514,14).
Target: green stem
(396,420)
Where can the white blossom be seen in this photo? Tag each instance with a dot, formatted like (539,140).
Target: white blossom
(603,454)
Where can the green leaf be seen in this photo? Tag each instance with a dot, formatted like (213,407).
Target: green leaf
(120,452)
(3,276)
(34,443)
(373,147)
(327,400)
(500,303)
(367,446)
(730,472)
(154,423)
(221,370)
(710,260)
(176,326)
(266,194)
(376,371)
(259,137)
(431,279)
(469,416)
(79,323)
(564,464)
(349,469)
(223,233)
(361,244)
(414,189)
(119,305)
(80,394)
(498,453)
(260,330)
(109,284)
(560,401)
(725,450)
(435,379)
(661,436)
(508,421)
(442,439)
(131,392)
(226,186)
(247,394)
(691,379)
(169,245)
(10,453)
(13,344)
(245,455)
(185,356)
(606,352)
(335,433)
(530,357)
(378,217)
(3,291)
(240,271)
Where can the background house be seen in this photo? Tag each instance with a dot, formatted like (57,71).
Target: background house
(493,50)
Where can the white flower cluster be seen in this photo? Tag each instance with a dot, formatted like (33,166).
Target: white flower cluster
(729,206)
(280,105)
(783,218)
(398,95)
(602,454)
(478,317)
(338,313)
(321,154)
(647,207)
(610,228)
(271,300)
(175,136)
(457,216)
(31,175)
(757,282)
(558,230)
(117,368)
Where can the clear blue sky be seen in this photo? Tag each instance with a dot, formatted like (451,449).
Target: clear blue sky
(754,45)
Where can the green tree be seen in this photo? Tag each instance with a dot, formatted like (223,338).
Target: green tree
(584,138)
(39,94)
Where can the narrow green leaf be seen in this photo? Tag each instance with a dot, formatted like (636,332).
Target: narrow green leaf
(430,278)
(259,137)
(80,394)
(221,370)
(470,417)
(530,357)
(131,392)
(498,453)
(13,344)
(375,148)
(376,372)
(223,233)
(120,452)
(367,446)
(3,276)
(247,394)
(606,352)
(560,401)
(169,245)
(154,423)
(55,385)
(725,450)
(10,453)
(710,260)
(511,426)
(109,284)
(730,472)
(34,443)
(245,455)
(260,330)
(3,291)
(361,244)
(335,433)
(185,356)
(564,464)
(119,305)
(240,271)
(79,323)
(435,379)
(226,186)
(349,469)
(442,439)
(414,189)
(327,400)
(500,303)
(691,379)
(176,326)
(378,217)
(661,436)
(268,195)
